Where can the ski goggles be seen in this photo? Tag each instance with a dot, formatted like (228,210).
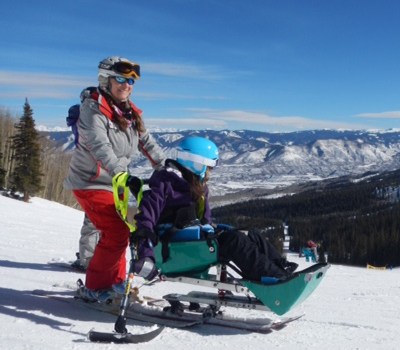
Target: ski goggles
(122,80)
(124,68)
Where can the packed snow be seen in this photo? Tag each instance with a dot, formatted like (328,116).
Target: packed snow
(353,308)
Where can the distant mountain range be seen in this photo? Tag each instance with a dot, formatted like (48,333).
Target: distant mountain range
(253,160)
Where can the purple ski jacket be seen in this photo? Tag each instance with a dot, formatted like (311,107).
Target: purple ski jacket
(169,191)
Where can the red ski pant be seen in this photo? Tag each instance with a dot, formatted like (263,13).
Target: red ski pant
(108,264)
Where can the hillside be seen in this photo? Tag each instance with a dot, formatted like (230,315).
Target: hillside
(336,316)
(356,220)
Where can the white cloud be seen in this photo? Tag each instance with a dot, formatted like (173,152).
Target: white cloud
(183,70)
(186,122)
(246,117)
(204,110)
(208,118)
(22,79)
(17,85)
(381,115)
(161,96)
(37,94)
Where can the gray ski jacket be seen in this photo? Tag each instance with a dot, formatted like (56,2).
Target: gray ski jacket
(104,150)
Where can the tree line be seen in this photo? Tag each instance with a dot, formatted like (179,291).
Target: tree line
(355,223)
(31,164)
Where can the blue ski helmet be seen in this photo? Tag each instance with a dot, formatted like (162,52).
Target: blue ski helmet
(196,154)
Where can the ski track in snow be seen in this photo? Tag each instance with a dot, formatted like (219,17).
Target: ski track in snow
(353,308)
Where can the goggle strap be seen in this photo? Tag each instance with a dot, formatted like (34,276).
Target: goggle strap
(196,158)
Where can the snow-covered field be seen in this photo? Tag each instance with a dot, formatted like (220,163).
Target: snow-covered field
(353,308)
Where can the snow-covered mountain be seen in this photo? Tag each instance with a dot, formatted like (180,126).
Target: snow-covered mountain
(353,308)
(267,160)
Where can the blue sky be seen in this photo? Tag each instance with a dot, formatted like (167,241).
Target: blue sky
(268,65)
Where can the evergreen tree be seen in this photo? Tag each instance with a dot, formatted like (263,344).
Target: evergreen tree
(26,177)
(2,171)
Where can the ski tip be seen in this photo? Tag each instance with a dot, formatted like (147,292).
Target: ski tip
(127,338)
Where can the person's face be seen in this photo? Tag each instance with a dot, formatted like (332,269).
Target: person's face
(120,91)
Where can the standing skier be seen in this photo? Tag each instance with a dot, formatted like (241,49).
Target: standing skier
(111,130)
(310,251)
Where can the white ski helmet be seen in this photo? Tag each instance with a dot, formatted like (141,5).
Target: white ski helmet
(116,67)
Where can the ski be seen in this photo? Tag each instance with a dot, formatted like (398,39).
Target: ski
(163,319)
(68,266)
(170,319)
(150,310)
(112,307)
(172,303)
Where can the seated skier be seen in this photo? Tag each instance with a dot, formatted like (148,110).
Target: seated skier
(183,184)
(180,185)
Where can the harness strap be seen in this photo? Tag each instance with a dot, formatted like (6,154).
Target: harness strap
(184,217)
(165,239)
(201,207)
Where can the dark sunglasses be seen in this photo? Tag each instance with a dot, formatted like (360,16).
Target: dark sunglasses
(127,68)
(122,80)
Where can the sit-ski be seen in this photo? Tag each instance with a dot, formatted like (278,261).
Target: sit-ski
(190,262)
(184,259)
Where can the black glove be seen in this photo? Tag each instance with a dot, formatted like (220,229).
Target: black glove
(134,184)
(143,233)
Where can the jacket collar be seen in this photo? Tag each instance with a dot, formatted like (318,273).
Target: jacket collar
(105,108)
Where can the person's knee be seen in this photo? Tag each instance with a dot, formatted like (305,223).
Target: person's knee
(231,236)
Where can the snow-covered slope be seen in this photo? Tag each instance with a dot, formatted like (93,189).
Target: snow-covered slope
(353,308)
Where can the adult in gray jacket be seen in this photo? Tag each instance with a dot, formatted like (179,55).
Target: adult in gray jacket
(111,130)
